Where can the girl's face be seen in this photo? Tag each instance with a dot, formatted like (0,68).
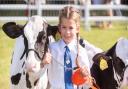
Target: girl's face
(68,29)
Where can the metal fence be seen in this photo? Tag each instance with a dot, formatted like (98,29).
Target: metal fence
(20,10)
(11,10)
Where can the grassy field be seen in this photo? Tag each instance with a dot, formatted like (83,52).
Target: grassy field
(103,38)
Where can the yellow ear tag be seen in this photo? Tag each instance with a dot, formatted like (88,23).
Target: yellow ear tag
(103,64)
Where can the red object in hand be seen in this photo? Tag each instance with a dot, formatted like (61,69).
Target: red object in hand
(78,78)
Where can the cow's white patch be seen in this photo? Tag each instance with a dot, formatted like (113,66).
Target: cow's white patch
(91,50)
(122,50)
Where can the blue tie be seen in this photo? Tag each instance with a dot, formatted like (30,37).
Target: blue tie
(67,72)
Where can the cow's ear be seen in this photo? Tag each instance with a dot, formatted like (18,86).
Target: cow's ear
(98,57)
(81,42)
(52,30)
(12,30)
(101,60)
(111,51)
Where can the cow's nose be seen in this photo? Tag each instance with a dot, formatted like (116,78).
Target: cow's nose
(30,67)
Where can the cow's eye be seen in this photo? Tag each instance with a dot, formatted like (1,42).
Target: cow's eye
(44,37)
(40,36)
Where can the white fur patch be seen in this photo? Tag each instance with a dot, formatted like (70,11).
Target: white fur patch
(122,50)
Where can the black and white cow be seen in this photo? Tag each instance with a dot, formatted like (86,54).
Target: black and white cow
(31,45)
(110,69)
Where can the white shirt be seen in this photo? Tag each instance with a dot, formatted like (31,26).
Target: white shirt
(56,68)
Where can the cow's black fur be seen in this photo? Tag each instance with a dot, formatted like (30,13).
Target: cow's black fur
(12,29)
(16,78)
(105,78)
(28,83)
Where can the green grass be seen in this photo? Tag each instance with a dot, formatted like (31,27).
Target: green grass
(105,38)
(99,37)
(6,45)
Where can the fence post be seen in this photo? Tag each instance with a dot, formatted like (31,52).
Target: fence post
(39,10)
(87,15)
(28,10)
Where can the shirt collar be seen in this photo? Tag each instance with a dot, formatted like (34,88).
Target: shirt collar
(70,45)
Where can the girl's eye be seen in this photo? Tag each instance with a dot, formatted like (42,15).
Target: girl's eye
(63,27)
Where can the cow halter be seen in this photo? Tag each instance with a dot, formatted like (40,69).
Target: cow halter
(34,51)
(118,77)
(26,50)
(124,70)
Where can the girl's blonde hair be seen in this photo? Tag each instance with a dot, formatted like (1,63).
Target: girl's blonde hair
(70,12)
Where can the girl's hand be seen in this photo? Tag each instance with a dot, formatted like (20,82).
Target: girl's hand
(84,71)
(47,59)
(86,74)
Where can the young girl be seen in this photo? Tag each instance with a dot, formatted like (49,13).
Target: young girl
(66,54)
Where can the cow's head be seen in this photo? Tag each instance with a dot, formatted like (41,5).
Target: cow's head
(119,54)
(36,34)
(115,60)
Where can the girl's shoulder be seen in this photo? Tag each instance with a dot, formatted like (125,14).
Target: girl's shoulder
(55,45)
